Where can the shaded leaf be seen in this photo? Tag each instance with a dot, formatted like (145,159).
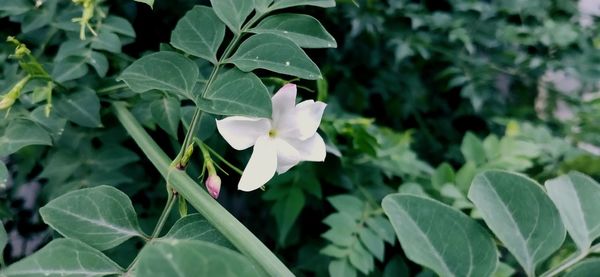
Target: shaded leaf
(233,12)
(274,53)
(167,113)
(306,31)
(21,133)
(82,107)
(102,217)
(422,226)
(281,4)
(70,68)
(199,33)
(520,214)
(162,71)
(341,268)
(586,268)
(237,93)
(348,204)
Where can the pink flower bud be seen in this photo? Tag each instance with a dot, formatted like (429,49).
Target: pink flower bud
(213,185)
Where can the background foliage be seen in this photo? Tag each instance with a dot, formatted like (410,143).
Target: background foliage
(423,96)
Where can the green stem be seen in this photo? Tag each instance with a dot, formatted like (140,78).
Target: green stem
(112,88)
(218,216)
(165,213)
(230,165)
(188,140)
(570,261)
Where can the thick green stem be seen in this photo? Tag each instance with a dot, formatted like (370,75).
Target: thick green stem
(218,216)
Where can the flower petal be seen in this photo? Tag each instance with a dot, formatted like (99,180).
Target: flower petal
(242,132)
(287,156)
(283,101)
(262,165)
(309,115)
(312,149)
(284,112)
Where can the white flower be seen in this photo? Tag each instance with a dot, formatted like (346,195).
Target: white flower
(281,142)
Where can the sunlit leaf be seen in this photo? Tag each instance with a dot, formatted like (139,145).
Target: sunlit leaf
(520,214)
(102,217)
(422,226)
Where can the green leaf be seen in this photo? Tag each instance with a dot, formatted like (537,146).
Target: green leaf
(281,4)
(195,227)
(81,107)
(520,214)
(3,177)
(382,228)
(99,62)
(361,259)
(118,25)
(70,68)
(396,268)
(167,113)
(472,149)
(183,258)
(233,12)
(3,237)
(286,211)
(108,41)
(422,226)
(237,93)
(577,198)
(586,268)
(64,257)
(21,133)
(262,5)
(168,71)
(334,251)
(147,2)
(199,33)
(348,204)
(341,268)
(15,7)
(206,126)
(444,174)
(304,30)
(102,217)
(372,242)
(274,53)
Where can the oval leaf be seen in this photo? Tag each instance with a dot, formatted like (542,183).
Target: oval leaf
(199,33)
(102,217)
(304,30)
(281,4)
(69,69)
(233,12)
(520,214)
(422,226)
(577,197)
(195,227)
(183,258)
(64,257)
(237,93)
(274,53)
(167,112)
(168,71)
(82,107)
(21,133)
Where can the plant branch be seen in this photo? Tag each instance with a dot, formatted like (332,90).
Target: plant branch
(171,199)
(218,216)
(570,261)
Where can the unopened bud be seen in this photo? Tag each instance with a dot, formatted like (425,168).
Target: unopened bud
(9,99)
(213,185)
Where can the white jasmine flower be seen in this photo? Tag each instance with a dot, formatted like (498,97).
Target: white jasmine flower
(281,142)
